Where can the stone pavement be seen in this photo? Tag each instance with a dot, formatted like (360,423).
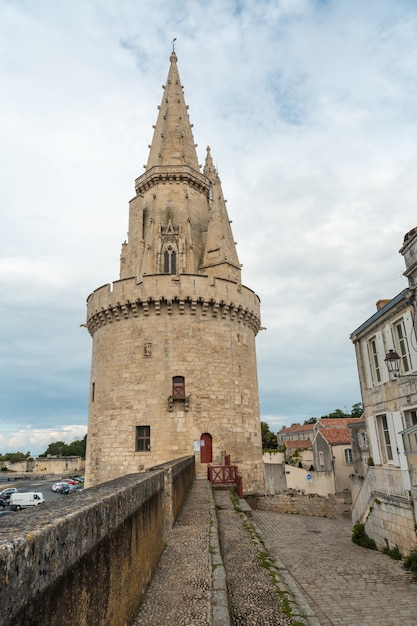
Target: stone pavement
(342,583)
(221,567)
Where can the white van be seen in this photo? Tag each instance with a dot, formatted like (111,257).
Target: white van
(21,500)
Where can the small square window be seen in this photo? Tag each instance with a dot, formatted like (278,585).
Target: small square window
(143,438)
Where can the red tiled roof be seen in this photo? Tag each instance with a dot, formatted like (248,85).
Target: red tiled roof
(336,422)
(333,436)
(297,443)
(296,429)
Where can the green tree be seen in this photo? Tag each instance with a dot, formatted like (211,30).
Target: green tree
(14,457)
(357,410)
(312,420)
(56,448)
(76,448)
(336,414)
(269,439)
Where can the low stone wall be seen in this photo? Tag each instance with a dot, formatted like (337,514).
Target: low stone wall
(178,476)
(291,501)
(391,523)
(89,559)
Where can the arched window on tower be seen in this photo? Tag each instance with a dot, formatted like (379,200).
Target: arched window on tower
(178,387)
(170,260)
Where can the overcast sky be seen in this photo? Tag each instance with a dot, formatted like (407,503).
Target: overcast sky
(310,109)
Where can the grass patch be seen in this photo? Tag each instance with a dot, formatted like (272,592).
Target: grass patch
(410,563)
(360,537)
(393,553)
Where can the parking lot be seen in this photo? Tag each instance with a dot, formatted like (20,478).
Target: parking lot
(42,486)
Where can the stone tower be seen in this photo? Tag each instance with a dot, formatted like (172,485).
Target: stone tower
(173,368)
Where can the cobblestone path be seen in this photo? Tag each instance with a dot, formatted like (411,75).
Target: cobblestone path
(180,591)
(343,583)
(253,598)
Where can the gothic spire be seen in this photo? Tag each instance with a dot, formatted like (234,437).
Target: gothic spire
(173,142)
(220,256)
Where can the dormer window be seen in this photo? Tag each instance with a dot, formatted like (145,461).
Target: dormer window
(178,388)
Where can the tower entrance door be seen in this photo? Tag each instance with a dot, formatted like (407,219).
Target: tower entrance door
(206,454)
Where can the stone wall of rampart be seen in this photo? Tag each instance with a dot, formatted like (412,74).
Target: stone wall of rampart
(89,559)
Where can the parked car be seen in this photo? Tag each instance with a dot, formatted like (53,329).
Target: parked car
(4,513)
(56,486)
(67,489)
(22,500)
(6,493)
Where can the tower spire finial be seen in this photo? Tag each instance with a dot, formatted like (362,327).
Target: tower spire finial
(173,44)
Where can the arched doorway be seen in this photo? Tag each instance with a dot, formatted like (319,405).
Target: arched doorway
(206,454)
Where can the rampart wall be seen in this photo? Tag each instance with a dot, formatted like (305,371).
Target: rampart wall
(88,560)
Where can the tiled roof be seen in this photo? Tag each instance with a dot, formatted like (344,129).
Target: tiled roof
(338,422)
(333,436)
(296,429)
(297,443)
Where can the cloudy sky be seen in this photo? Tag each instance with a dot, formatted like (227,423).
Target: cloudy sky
(310,109)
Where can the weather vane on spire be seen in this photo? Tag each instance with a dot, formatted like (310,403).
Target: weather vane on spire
(173,44)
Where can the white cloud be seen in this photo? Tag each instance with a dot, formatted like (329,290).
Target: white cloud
(36,440)
(310,108)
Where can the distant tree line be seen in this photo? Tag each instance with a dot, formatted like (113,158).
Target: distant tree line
(57,448)
(15,457)
(357,411)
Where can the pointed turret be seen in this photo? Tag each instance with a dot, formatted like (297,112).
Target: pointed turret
(220,256)
(173,142)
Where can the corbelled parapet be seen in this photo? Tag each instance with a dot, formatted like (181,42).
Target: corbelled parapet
(170,174)
(178,295)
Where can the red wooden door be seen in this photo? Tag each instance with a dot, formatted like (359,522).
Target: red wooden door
(206,454)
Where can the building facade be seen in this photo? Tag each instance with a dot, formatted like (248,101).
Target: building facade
(173,359)
(385,477)
(332,450)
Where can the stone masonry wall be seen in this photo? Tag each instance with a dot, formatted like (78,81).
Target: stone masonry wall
(297,503)
(391,520)
(91,563)
(143,335)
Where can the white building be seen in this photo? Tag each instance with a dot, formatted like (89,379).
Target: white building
(385,497)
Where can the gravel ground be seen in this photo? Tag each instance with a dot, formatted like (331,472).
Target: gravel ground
(180,591)
(186,589)
(253,597)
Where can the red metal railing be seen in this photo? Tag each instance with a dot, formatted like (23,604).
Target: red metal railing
(226,475)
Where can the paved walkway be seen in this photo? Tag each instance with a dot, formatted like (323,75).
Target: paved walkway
(341,582)
(271,570)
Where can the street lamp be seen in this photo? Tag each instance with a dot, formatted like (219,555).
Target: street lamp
(392,361)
